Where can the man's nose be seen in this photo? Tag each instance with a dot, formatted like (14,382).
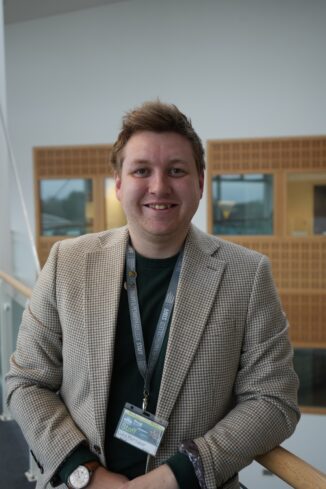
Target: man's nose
(160,184)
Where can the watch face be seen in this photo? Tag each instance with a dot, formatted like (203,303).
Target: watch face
(79,478)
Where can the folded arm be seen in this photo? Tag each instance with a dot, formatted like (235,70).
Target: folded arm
(265,412)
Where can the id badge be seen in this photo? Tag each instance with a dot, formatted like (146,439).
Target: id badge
(140,429)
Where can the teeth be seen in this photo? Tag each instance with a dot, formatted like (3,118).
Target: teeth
(160,206)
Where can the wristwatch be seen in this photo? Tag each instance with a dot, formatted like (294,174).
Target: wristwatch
(82,475)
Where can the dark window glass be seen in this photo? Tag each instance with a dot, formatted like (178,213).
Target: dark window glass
(243,204)
(320,209)
(310,365)
(66,207)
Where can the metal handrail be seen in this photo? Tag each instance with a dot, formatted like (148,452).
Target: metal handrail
(284,464)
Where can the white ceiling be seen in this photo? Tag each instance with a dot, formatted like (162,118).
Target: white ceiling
(21,10)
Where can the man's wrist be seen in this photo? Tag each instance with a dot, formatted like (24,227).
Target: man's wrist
(79,456)
(183,471)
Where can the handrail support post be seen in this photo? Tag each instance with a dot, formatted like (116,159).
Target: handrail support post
(31,474)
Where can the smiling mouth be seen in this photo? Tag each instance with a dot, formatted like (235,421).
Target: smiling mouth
(160,207)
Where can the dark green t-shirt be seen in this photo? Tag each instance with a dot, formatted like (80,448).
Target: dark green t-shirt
(153,277)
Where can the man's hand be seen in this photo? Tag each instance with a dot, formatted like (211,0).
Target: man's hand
(103,479)
(160,478)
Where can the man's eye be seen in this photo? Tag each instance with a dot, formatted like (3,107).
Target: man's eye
(177,172)
(141,172)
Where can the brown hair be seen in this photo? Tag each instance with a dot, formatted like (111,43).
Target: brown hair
(157,117)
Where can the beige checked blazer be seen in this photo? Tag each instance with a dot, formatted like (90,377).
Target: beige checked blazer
(228,381)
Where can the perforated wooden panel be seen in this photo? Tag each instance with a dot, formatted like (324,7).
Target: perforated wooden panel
(299,270)
(307,317)
(267,154)
(77,161)
(297,264)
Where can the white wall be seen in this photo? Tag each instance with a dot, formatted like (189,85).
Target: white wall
(239,68)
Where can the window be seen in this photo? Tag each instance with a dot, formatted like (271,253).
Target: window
(306,204)
(67,207)
(243,204)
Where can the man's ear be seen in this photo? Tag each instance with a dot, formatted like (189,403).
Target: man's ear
(201,183)
(117,179)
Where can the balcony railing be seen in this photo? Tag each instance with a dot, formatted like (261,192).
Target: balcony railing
(286,465)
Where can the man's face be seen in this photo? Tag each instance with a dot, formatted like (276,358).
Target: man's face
(159,186)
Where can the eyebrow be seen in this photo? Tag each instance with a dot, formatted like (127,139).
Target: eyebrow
(141,161)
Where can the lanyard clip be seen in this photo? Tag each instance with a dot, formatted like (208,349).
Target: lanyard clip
(131,280)
(145,400)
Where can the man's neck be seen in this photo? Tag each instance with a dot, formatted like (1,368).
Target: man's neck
(162,247)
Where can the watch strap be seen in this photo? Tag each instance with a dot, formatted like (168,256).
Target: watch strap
(92,465)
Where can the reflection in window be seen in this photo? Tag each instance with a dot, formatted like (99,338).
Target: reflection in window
(310,365)
(306,204)
(66,207)
(243,204)
(114,215)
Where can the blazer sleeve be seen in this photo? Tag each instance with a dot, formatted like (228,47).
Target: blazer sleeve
(35,376)
(265,411)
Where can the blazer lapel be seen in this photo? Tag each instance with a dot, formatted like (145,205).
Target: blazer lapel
(198,285)
(104,279)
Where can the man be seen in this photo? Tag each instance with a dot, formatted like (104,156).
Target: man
(185,328)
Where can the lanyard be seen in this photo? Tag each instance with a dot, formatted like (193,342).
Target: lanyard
(146,370)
